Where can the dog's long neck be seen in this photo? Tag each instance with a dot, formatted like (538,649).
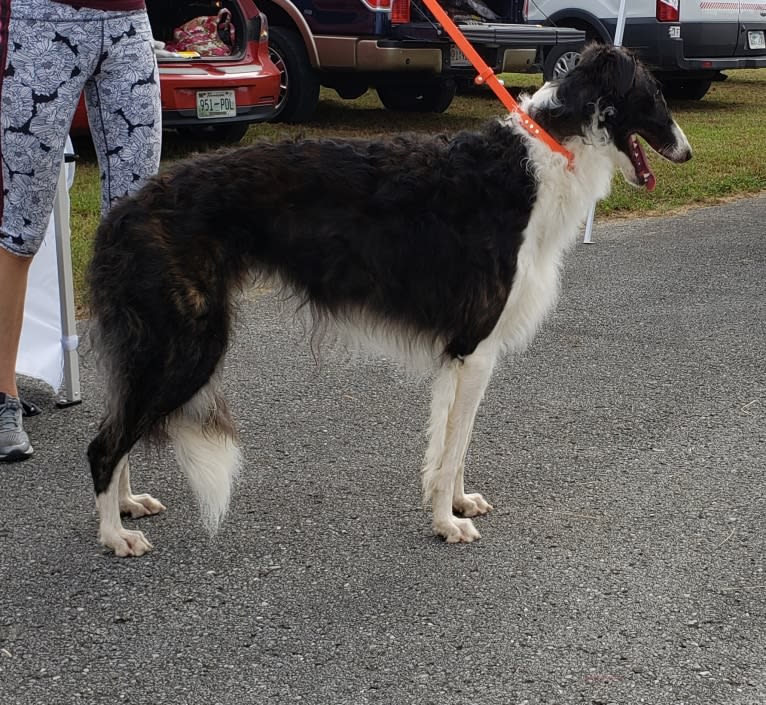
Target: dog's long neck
(565,194)
(591,175)
(564,197)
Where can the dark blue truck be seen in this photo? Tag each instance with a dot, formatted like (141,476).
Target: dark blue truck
(396,48)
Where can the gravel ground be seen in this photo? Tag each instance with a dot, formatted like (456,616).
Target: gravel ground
(624,562)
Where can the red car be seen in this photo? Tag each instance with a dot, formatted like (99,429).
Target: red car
(211,97)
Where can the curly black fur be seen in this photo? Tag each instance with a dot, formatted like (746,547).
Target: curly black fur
(417,232)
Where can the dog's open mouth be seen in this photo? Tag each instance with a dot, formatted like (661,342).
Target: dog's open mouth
(640,163)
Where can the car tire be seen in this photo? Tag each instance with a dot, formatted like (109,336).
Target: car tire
(299,84)
(560,59)
(221,134)
(428,96)
(686,89)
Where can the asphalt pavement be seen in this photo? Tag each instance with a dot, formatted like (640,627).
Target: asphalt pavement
(625,454)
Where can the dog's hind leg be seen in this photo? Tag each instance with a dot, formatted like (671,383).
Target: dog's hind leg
(108,467)
(135,505)
(457,392)
(205,442)
(136,408)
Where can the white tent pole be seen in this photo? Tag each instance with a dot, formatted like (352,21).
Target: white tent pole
(618,34)
(69,340)
(620,29)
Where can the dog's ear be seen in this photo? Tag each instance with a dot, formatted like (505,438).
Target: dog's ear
(624,73)
(611,68)
(603,76)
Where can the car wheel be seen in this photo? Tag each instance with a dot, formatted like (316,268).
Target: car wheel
(559,61)
(299,85)
(429,96)
(686,89)
(223,134)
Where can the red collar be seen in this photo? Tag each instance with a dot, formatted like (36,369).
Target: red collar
(524,120)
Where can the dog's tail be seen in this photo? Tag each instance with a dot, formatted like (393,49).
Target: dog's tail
(206,448)
(201,430)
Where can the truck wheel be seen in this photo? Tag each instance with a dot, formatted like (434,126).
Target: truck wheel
(430,96)
(685,89)
(560,59)
(299,85)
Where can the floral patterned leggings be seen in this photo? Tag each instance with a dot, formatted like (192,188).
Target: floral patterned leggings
(51,54)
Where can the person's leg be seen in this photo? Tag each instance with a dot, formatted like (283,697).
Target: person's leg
(40,84)
(14,442)
(124,108)
(13,288)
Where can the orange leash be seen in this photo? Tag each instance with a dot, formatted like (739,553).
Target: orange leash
(488,77)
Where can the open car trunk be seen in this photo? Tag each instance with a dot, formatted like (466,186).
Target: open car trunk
(167,16)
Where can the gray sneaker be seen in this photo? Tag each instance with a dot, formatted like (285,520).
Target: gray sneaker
(14,442)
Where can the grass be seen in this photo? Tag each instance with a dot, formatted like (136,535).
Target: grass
(726,130)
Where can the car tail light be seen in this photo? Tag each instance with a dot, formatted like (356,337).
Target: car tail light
(525,11)
(668,10)
(400,12)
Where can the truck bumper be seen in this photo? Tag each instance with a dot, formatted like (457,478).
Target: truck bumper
(518,60)
(380,55)
(375,55)
(504,47)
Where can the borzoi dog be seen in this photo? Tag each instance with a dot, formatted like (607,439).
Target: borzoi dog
(446,248)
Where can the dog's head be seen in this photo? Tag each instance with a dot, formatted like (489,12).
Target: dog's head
(609,99)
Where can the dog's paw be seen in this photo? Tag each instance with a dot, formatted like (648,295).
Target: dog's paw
(455,530)
(126,543)
(140,505)
(471,505)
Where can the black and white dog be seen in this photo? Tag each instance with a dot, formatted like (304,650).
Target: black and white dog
(445,248)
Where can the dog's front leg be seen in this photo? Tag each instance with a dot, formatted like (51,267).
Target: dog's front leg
(457,393)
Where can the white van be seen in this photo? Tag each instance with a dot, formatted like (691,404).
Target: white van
(687,43)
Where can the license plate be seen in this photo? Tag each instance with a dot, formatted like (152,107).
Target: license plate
(457,57)
(756,40)
(216,104)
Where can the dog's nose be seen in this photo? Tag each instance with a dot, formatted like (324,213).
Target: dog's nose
(683,150)
(677,153)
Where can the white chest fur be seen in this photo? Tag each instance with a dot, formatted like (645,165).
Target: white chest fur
(564,198)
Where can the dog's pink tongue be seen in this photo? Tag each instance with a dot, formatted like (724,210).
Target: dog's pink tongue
(641,165)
